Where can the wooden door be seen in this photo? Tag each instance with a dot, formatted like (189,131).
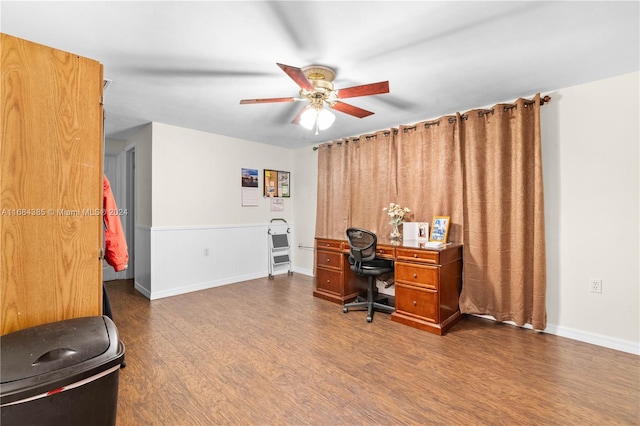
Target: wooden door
(50,185)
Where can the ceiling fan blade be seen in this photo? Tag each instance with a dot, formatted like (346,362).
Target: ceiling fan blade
(265,100)
(350,109)
(298,76)
(296,119)
(364,90)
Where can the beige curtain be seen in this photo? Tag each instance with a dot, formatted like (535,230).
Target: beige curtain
(356,177)
(504,247)
(373,181)
(334,190)
(430,172)
(483,169)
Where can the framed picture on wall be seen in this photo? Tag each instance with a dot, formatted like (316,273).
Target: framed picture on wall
(284,188)
(250,189)
(439,229)
(270,183)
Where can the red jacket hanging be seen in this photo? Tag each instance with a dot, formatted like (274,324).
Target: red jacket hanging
(116,253)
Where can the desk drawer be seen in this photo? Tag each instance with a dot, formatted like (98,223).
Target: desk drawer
(417,301)
(416,274)
(329,244)
(386,252)
(329,259)
(329,281)
(426,256)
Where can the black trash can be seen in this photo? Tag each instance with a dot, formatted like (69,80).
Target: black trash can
(62,373)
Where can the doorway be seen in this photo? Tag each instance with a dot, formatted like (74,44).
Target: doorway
(120,170)
(130,203)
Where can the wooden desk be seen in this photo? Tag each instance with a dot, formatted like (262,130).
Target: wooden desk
(427,281)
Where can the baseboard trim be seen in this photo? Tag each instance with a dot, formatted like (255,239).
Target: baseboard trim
(140,289)
(303,271)
(210,284)
(583,336)
(202,286)
(594,339)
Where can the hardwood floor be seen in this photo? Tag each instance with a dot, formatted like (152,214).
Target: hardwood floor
(266,352)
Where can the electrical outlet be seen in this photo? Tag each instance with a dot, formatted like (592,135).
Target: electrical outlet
(595,285)
(206,252)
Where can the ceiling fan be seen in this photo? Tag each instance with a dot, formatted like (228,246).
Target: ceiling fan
(316,86)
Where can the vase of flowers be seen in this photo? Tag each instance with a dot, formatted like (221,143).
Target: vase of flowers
(396,213)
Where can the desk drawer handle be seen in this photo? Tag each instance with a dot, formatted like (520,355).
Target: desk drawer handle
(415,255)
(328,260)
(328,245)
(415,275)
(415,303)
(328,281)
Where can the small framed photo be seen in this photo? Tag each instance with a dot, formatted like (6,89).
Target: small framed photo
(284,188)
(439,229)
(270,183)
(423,231)
(415,231)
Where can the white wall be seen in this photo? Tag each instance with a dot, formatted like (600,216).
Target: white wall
(201,235)
(196,178)
(143,214)
(306,172)
(144,175)
(591,179)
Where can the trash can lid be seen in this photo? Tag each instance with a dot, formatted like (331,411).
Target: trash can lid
(45,348)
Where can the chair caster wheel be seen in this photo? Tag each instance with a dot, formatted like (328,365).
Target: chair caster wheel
(345,310)
(369,319)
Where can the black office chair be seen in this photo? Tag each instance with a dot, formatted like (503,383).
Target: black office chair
(364,262)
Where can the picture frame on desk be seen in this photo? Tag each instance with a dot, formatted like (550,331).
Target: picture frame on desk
(415,231)
(440,229)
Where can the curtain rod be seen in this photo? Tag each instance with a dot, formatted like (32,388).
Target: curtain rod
(543,100)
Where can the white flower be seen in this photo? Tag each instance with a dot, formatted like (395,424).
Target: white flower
(396,212)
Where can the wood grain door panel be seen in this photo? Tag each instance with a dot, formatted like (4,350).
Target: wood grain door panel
(51,185)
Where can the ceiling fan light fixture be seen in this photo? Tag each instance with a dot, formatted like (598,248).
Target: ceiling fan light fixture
(325,119)
(318,118)
(308,118)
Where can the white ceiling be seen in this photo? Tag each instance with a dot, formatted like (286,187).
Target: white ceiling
(188,64)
